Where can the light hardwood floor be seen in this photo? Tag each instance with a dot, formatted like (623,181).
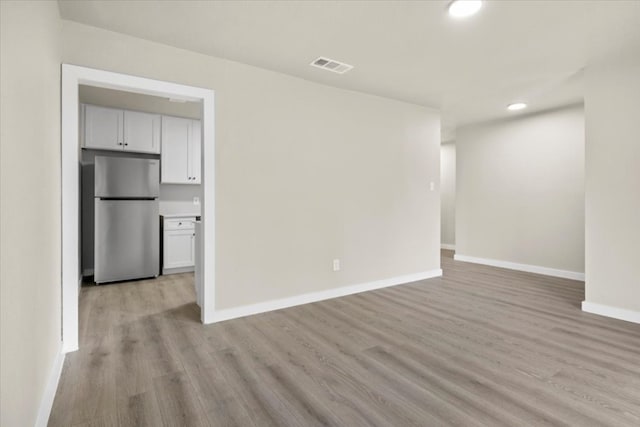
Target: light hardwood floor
(480,346)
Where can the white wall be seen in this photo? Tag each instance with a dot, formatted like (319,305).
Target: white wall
(305,173)
(612,106)
(30,202)
(520,190)
(448,193)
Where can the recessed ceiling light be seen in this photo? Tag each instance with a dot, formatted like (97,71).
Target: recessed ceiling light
(464,8)
(516,106)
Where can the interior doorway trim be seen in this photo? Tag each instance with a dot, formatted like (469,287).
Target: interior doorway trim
(72,77)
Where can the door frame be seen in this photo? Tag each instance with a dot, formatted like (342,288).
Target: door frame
(72,77)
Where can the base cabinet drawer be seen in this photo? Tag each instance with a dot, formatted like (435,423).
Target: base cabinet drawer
(187,223)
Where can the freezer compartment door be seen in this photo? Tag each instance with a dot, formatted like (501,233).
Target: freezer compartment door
(123,177)
(127,242)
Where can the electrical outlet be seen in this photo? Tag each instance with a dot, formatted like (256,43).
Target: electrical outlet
(196,200)
(336,265)
(432,186)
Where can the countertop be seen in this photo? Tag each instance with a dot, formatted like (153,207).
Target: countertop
(180,215)
(176,209)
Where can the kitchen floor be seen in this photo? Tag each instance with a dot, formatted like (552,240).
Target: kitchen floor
(479,346)
(130,333)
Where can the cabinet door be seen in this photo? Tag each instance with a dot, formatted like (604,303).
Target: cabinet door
(195,143)
(103,128)
(179,248)
(141,132)
(175,150)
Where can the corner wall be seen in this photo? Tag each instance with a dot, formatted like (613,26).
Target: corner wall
(520,192)
(30,202)
(612,106)
(448,195)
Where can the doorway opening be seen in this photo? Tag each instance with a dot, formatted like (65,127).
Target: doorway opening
(104,84)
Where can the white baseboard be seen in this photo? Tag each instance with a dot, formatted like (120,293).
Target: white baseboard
(609,311)
(46,403)
(449,246)
(574,275)
(87,272)
(247,310)
(178,270)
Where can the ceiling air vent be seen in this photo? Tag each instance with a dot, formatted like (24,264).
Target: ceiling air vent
(331,65)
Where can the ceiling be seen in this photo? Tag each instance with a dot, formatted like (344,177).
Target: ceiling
(138,102)
(413,51)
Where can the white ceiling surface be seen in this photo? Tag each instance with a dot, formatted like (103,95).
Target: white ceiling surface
(413,51)
(138,102)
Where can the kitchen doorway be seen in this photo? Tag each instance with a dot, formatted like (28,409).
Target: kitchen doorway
(72,77)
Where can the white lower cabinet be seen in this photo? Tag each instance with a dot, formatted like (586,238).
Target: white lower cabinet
(178,245)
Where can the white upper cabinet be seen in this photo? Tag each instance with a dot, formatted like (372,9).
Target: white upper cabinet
(174,159)
(180,157)
(195,143)
(141,132)
(178,140)
(121,130)
(103,128)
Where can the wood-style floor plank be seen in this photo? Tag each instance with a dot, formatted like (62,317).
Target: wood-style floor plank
(481,346)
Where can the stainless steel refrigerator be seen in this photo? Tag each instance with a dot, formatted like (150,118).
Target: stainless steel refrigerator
(127,222)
